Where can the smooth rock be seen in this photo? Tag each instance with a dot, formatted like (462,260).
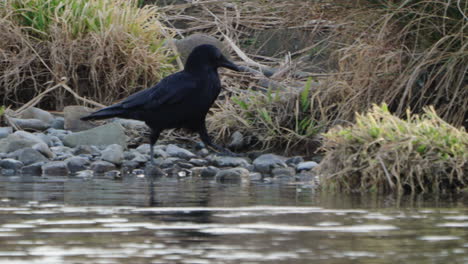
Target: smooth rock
(283,172)
(29,156)
(233,175)
(55,168)
(169,162)
(13,142)
(209,172)
(45,138)
(76,164)
(154,171)
(255,176)
(267,162)
(30,136)
(84,149)
(44,150)
(186,45)
(197,171)
(225,161)
(37,113)
(101,166)
(7,172)
(11,164)
(56,142)
(144,149)
(58,123)
(34,169)
(140,158)
(308,165)
(72,115)
(108,134)
(175,151)
(237,141)
(113,174)
(129,165)
(113,153)
(30,124)
(294,161)
(199,162)
(85,174)
(5,131)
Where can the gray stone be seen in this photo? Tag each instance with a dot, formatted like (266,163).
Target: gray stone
(72,115)
(197,171)
(102,166)
(169,162)
(34,169)
(85,174)
(237,141)
(144,149)
(154,171)
(203,152)
(186,45)
(255,176)
(76,164)
(175,151)
(130,165)
(113,153)
(111,133)
(56,142)
(55,168)
(294,161)
(60,150)
(267,162)
(11,164)
(5,131)
(29,156)
(283,172)
(37,113)
(209,172)
(308,165)
(45,138)
(44,150)
(225,161)
(113,174)
(83,149)
(7,172)
(304,176)
(233,175)
(185,165)
(198,162)
(13,142)
(140,158)
(58,123)
(30,136)
(30,124)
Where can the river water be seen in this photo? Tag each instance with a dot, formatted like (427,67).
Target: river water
(187,220)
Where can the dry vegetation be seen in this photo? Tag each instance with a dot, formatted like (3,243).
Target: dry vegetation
(100,49)
(384,153)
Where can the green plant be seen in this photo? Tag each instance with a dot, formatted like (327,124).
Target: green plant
(279,119)
(384,153)
(104,49)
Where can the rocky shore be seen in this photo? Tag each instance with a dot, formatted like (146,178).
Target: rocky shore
(66,146)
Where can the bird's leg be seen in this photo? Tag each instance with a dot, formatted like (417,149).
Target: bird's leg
(207,140)
(153,138)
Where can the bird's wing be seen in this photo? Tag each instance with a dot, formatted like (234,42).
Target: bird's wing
(169,90)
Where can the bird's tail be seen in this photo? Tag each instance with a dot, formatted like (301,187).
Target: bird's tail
(108,112)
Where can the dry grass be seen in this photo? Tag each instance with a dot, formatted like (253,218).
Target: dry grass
(384,153)
(105,49)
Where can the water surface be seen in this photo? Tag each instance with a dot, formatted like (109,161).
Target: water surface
(186,220)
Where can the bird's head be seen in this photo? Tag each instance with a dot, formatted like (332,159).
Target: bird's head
(208,55)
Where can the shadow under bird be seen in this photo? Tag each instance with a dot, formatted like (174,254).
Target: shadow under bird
(180,100)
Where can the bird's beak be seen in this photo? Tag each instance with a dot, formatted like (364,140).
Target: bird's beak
(229,64)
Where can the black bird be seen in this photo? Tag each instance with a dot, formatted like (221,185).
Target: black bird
(181,100)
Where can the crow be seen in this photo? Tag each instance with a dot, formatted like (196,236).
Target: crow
(180,100)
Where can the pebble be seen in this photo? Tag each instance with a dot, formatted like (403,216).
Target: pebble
(232,175)
(11,164)
(225,161)
(113,153)
(175,151)
(308,165)
(267,162)
(55,168)
(102,166)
